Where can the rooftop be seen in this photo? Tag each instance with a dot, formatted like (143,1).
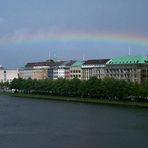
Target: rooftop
(46,63)
(77,64)
(68,63)
(37,64)
(129,60)
(96,62)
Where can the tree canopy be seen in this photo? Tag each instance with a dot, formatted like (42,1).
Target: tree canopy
(107,88)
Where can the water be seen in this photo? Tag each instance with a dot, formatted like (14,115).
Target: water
(28,123)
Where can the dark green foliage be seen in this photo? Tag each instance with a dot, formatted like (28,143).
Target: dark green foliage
(4,85)
(107,88)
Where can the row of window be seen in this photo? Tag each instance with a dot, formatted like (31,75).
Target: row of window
(75,76)
(125,62)
(121,70)
(122,76)
(75,71)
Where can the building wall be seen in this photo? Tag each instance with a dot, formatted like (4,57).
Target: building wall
(50,73)
(61,73)
(64,73)
(88,72)
(26,73)
(40,74)
(10,74)
(144,73)
(55,73)
(67,73)
(1,75)
(130,73)
(76,72)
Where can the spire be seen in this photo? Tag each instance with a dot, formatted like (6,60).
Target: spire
(129,51)
(55,57)
(83,57)
(49,55)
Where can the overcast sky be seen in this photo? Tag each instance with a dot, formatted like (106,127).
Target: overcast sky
(31,20)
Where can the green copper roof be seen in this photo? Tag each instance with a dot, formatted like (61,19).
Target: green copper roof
(77,64)
(129,60)
(64,64)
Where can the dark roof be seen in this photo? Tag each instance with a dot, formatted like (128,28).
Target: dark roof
(46,63)
(67,63)
(96,61)
(70,63)
(58,63)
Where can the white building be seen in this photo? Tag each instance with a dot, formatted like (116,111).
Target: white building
(10,74)
(7,75)
(95,68)
(25,73)
(64,70)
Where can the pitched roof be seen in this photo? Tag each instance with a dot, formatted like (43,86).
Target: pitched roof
(68,63)
(46,63)
(77,64)
(58,63)
(129,60)
(37,64)
(96,61)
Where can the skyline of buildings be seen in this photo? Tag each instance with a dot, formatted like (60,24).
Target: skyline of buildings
(130,68)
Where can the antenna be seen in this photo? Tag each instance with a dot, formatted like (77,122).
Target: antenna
(129,51)
(49,55)
(83,57)
(54,56)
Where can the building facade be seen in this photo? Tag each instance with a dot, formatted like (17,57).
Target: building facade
(40,70)
(7,75)
(76,70)
(94,68)
(64,69)
(129,68)
(56,70)
(25,73)
(36,70)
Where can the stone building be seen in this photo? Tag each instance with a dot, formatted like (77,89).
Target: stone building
(7,75)
(76,70)
(36,70)
(129,68)
(64,69)
(55,69)
(40,70)
(95,68)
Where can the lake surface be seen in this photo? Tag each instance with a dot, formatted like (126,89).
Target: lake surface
(28,123)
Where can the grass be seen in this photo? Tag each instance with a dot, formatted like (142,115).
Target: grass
(81,100)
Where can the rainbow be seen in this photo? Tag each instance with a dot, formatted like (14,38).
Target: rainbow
(66,37)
